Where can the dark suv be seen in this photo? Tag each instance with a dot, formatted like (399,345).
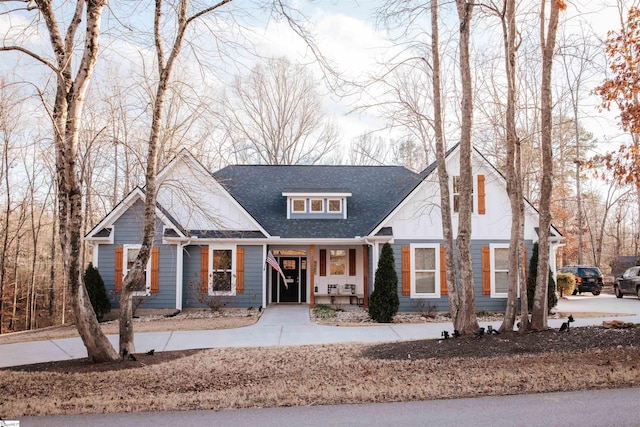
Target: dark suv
(628,283)
(588,278)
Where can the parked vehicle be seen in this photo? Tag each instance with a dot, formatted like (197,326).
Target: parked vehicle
(628,283)
(588,278)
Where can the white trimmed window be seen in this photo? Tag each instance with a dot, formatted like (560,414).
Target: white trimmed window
(130,253)
(317,205)
(298,206)
(425,273)
(337,262)
(335,205)
(455,194)
(499,270)
(222,277)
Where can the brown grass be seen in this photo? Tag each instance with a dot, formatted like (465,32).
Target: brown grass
(309,375)
(187,321)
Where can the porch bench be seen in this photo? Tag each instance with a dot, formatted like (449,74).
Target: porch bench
(358,298)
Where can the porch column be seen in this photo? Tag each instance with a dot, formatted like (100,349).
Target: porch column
(365,274)
(312,287)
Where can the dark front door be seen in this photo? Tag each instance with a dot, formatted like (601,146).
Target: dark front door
(290,291)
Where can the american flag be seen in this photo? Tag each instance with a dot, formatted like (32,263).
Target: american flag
(271,260)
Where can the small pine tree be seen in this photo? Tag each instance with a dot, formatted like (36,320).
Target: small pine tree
(552,298)
(97,292)
(384,301)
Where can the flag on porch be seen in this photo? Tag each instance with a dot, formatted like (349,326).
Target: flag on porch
(271,260)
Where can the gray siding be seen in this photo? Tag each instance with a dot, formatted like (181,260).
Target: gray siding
(128,230)
(252,295)
(483,302)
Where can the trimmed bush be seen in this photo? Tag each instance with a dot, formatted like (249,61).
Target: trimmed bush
(97,292)
(566,283)
(384,301)
(552,298)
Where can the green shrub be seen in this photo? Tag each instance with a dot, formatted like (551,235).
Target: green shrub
(384,301)
(322,311)
(552,298)
(566,283)
(97,292)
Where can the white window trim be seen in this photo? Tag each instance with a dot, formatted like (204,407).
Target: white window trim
(492,248)
(293,208)
(125,270)
(213,248)
(412,249)
(346,262)
(339,211)
(321,205)
(474,195)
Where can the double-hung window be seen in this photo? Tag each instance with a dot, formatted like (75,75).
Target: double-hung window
(455,191)
(337,262)
(425,274)
(222,278)
(499,270)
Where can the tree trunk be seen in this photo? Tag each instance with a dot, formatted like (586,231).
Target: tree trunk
(513,175)
(443,176)
(466,321)
(548,41)
(69,102)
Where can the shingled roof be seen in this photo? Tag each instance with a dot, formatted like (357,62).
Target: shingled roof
(376,191)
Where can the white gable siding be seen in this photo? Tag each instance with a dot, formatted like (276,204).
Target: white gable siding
(197,202)
(419,217)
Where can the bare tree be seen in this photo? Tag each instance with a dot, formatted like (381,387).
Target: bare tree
(468,322)
(72,85)
(547,44)
(274,116)
(368,150)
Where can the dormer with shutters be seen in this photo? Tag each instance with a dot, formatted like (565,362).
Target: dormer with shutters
(316,204)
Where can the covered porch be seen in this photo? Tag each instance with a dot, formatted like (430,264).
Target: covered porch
(320,274)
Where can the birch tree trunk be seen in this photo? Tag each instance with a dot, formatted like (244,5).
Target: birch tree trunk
(443,176)
(165,68)
(466,320)
(69,102)
(547,43)
(514,184)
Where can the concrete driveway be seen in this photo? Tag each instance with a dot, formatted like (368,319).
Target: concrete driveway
(285,325)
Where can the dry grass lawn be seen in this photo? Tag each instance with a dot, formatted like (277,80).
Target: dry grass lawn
(334,374)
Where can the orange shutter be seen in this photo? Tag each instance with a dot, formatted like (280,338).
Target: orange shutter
(481,195)
(486,270)
(240,270)
(204,270)
(443,273)
(323,262)
(406,270)
(155,270)
(352,262)
(117,280)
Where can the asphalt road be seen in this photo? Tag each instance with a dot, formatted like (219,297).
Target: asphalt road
(618,407)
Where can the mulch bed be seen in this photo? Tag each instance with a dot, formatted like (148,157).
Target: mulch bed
(510,343)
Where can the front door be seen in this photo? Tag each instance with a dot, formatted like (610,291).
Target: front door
(294,289)
(290,290)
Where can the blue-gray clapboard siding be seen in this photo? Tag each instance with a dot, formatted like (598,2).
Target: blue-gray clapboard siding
(253,271)
(128,230)
(483,302)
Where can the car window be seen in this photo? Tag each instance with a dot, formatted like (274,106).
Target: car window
(589,272)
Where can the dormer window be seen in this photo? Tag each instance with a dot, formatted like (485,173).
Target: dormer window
(335,205)
(316,204)
(298,205)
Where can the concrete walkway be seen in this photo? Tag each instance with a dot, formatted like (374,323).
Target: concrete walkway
(285,325)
